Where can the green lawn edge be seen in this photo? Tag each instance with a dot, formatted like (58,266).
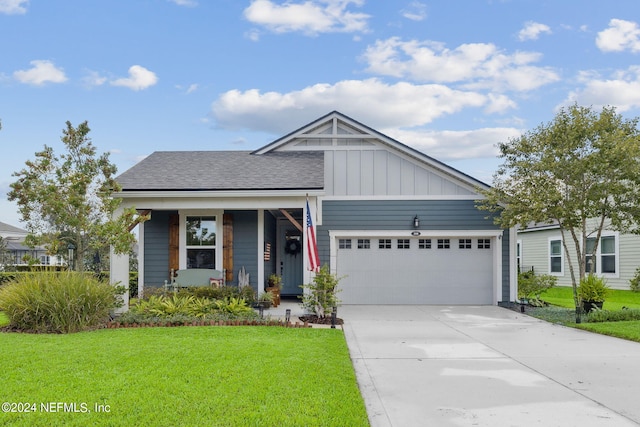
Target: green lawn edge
(562,311)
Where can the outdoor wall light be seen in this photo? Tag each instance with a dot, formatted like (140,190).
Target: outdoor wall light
(416,222)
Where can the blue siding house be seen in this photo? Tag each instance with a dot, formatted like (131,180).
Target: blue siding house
(398,226)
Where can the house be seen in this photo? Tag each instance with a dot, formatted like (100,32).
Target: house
(15,251)
(539,248)
(398,226)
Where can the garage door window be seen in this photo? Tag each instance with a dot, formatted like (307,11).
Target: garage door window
(424,243)
(364,243)
(484,243)
(384,244)
(464,243)
(444,244)
(404,244)
(344,243)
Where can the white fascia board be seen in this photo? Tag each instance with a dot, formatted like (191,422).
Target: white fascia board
(407,197)
(217,200)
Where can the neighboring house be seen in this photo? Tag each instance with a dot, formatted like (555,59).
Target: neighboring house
(398,226)
(15,249)
(539,248)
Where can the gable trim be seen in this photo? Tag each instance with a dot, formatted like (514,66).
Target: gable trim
(367,133)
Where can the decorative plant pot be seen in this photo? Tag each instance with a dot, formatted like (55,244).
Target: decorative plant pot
(276,295)
(589,306)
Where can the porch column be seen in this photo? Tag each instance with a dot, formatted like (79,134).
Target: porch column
(260,254)
(119,276)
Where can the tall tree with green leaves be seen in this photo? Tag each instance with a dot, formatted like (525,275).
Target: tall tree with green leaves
(67,199)
(580,169)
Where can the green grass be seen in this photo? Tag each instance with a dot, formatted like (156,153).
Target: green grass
(185,376)
(562,296)
(629,330)
(562,310)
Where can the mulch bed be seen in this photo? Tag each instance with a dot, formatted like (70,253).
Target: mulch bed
(312,318)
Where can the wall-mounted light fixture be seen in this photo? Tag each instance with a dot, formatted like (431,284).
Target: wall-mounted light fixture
(416,222)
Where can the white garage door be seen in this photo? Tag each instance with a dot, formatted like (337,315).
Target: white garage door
(415,270)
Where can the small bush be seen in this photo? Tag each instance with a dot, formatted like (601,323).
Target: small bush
(593,288)
(634,282)
(320,296)
(531,286)
(57,302)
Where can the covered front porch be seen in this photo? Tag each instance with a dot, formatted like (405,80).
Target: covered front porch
(263,236)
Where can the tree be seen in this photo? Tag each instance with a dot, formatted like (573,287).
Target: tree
(67,199)
(580,169)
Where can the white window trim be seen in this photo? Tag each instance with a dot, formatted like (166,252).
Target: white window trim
(183,234)
(616,236)
(552,239)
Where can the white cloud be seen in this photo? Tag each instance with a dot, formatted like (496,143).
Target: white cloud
(621,35)
(415,11)
(93,78)
(42,72)
(621,90)
(187,3)
(455,145)
(475,65)
(532,31)
(139,78)
(13,7)
(372,101)
(309,17)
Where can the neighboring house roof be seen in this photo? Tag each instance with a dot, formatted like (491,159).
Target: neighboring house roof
(225,170)
(9,232)
(10,229)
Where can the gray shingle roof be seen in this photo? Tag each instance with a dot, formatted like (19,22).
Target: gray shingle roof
(225,170)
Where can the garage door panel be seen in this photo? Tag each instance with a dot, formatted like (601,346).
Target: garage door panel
(415,275)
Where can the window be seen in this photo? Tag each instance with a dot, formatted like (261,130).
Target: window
(484,243)
(364,243)
(424,243)
(606,252)
(443,244)
(344,243)
(404,244)
(201,242)
(555,256)
(464,243)
(384,244)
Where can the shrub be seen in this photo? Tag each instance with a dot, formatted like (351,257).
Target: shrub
(531,286)
(320,296)
(57,302)
(593,288)
(634,282)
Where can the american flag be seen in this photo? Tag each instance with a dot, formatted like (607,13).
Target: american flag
(314,258)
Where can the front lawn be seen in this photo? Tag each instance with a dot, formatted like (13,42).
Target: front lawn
(562,296)
(214,376)
(562,310)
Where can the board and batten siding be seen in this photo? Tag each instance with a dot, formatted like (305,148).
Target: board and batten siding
(398,215)
(156,249)
(377,172)
(245,245)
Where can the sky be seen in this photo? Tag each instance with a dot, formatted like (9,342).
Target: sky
(449,78)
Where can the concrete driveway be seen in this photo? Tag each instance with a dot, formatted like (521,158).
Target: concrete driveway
(488,366)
